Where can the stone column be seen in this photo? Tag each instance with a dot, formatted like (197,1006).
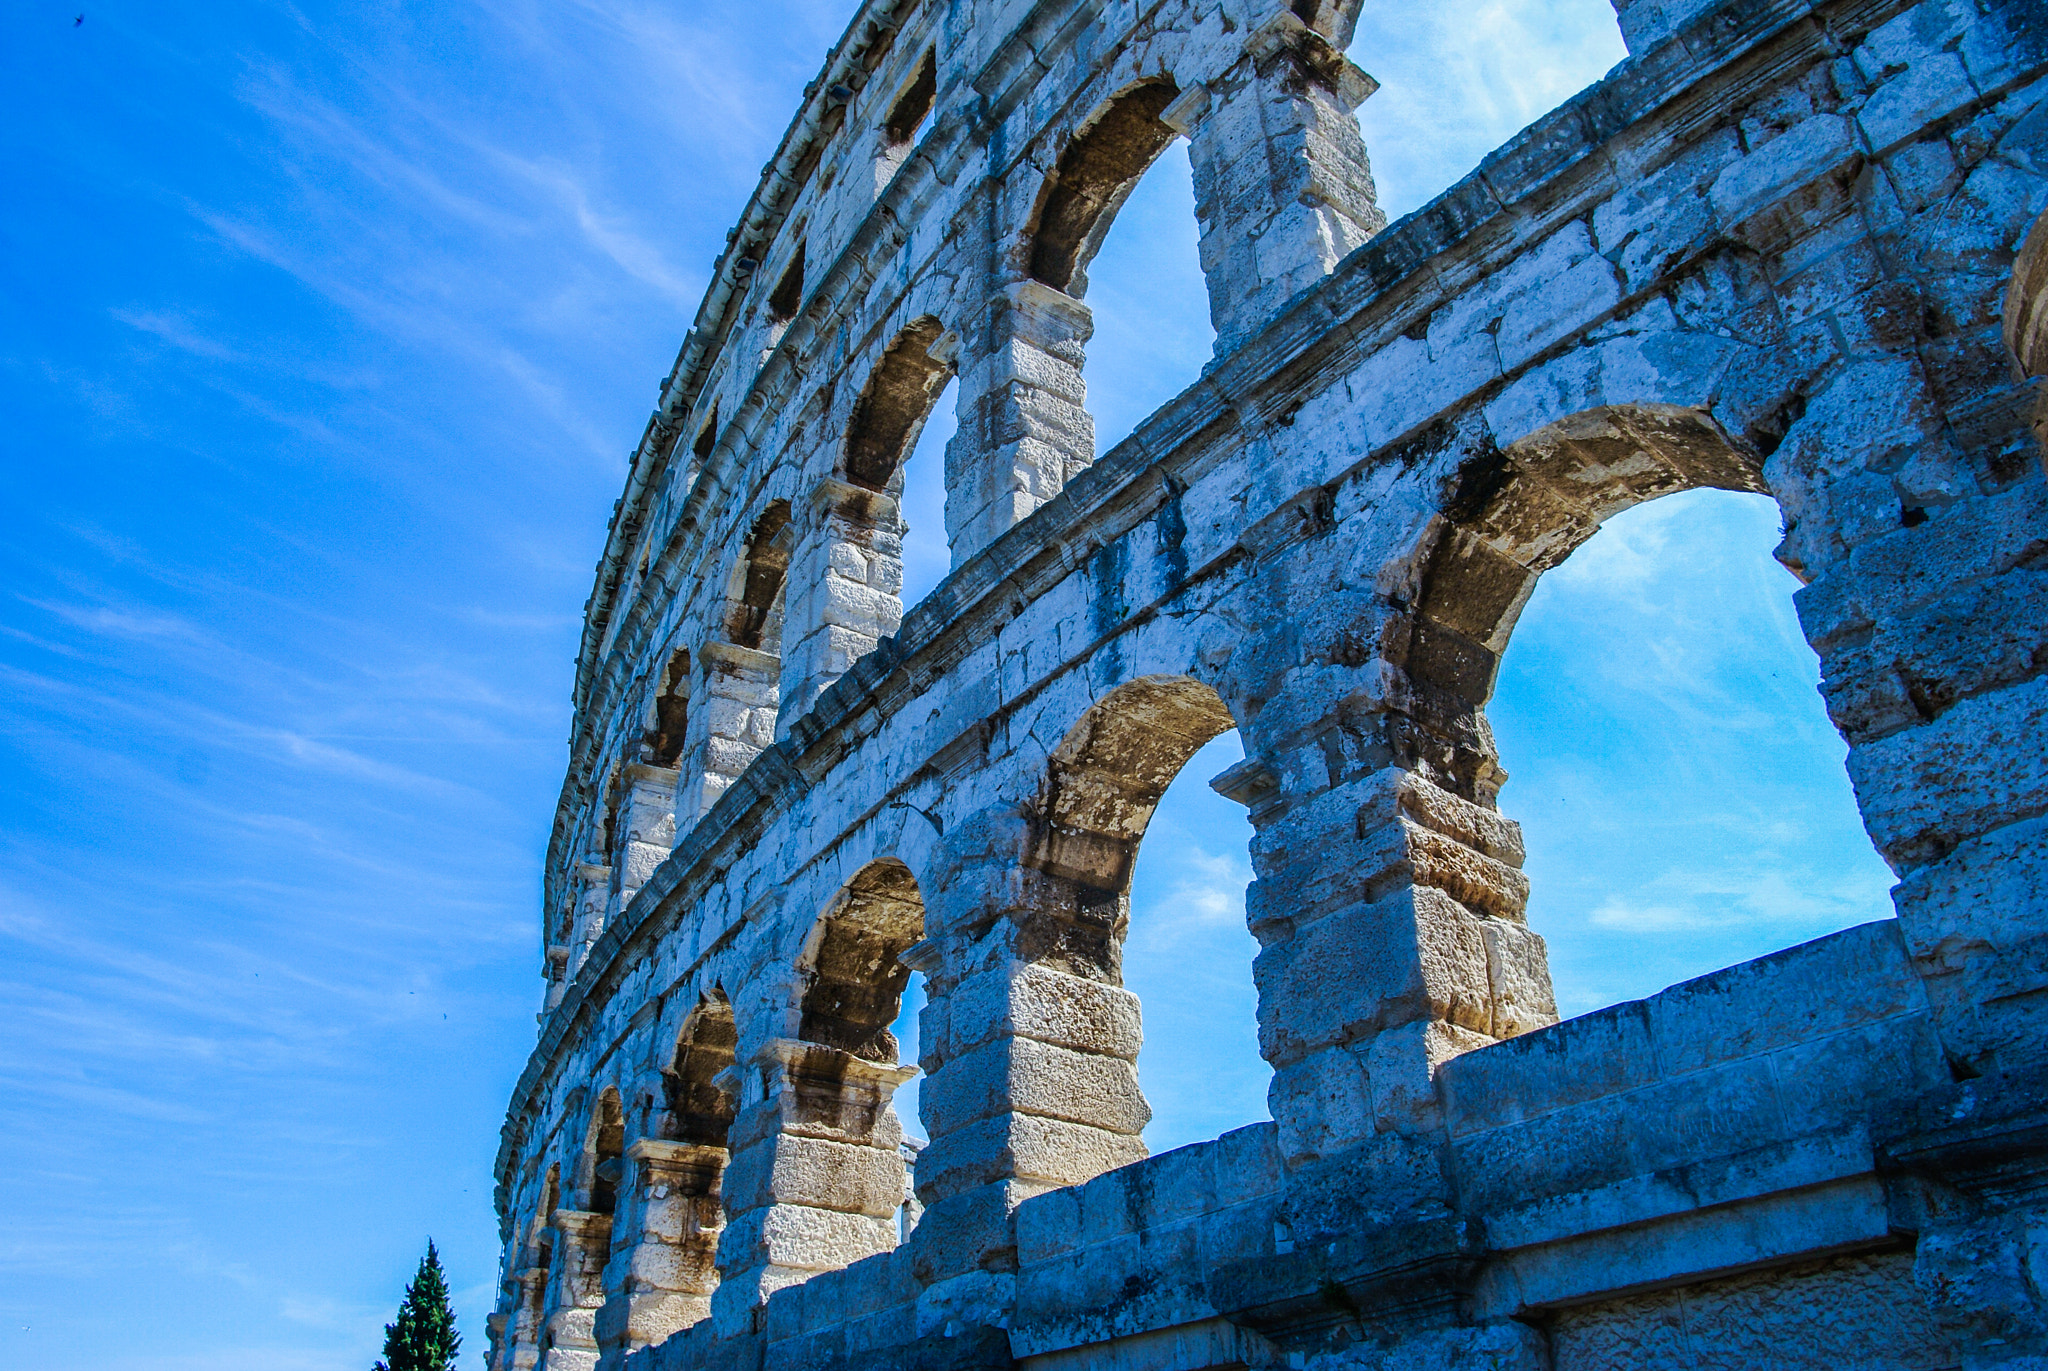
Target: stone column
(736,722)
(571,1337)
(662,1273)
(1025,429)
(644,835)
(519,1347)
(1389,913)
(844,588)
(593,906)
(1282,185)
(1031,1049)
(816,1178)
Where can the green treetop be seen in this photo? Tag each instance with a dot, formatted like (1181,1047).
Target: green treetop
(424,1338)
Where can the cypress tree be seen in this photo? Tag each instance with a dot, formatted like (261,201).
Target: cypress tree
(424,1338)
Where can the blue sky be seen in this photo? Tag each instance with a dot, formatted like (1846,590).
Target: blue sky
(325,332)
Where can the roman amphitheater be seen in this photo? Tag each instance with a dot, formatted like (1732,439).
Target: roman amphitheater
(1788,246)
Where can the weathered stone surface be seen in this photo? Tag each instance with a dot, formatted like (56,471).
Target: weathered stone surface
(1792,247)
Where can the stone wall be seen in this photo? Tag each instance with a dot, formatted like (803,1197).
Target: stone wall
(1787,247)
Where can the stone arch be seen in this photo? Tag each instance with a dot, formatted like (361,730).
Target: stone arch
(604,1154)
(1404,873)
(668,728)
(2026,303)
(855,978)
(1035,1079)
(913,102)
(532,1282)
(821,1181)
(754,617)
(1509,515)
(1102,784)
(699,1105)
(672,1270)
(707,436)
(1095,174)
(892,409)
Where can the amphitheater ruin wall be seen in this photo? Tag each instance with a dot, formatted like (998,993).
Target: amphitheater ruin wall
(1788,246)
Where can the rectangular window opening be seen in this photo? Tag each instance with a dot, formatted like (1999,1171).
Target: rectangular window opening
(914,105)
(788,295)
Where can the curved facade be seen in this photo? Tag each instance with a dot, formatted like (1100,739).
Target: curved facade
(1773,251)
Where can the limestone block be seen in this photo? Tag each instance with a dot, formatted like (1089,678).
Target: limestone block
(659,1266)
(1518,974)
(1048,1226)
(1839,1082)
(1797,155)
(1843,1311)
(968,1231)
(1986,896)
(1352,974)
(637,864)
(1925,790)
(1838,982)
(820,1172)
(1558,289)
(1026,1076)
(1401,1066)
(1321,1105)
(1036,1151)
(800,1238)
(1026,1000)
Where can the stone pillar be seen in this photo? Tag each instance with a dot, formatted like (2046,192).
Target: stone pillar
(519,1346)
(1282,185)
(844,588)
(593,908)
(734,725)
(1025,429)
(571,1336)
(816,1178)
(645,833)
(662,1273)
(1031,1049)
(1389,913)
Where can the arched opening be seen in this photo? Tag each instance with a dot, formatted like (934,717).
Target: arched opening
(1147,299)
(2026,303)
(1103,789)
(1188,958)
(1037,425)
(892,409)
(1680,789)
(673,1270)
(754,619)
(671,723)
(856,572)
(913,102)
(707,439)
(1094,176)
(1105,780)
(536,1277)
(788,295)
(1512,516)
(858,992)
(833,1159)
(854,968)
(606,1155)
(926,558)
(699,1108)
